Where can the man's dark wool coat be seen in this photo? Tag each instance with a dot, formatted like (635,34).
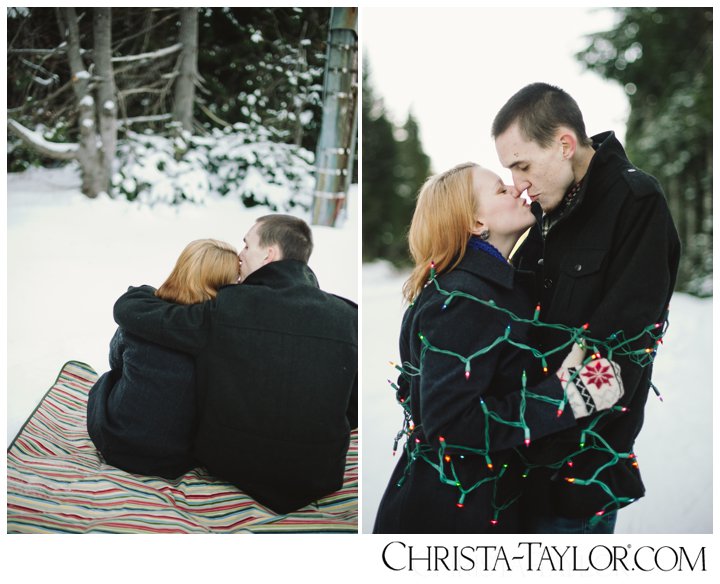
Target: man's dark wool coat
(277,379)
(445,404)
(612,263)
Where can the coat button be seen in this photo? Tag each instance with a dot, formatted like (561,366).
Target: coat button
(548,282)
(541,262)
(578,267)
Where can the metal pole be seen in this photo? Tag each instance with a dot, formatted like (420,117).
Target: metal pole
(335,151)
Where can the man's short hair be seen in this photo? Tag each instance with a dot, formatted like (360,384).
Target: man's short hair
(291,234)
(539,109)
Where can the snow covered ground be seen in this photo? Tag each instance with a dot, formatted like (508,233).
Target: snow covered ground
(674,448)
(69,258)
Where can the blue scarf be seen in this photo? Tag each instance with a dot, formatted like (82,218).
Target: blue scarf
(478,244)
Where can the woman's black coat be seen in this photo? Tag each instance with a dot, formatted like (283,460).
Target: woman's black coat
(141,413)
(446,405)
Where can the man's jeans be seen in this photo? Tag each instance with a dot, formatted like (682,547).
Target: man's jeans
(557,524)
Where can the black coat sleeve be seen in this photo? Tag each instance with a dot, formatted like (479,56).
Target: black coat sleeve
(457,408)
(116,350)
(352,410)
(640,278)
(176,326)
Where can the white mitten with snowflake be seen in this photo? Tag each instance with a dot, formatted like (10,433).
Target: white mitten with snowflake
(594,387)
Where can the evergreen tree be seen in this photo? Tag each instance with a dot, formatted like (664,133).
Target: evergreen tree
(663,59)
(413,167)
(379,156)
(264,67)
(394,168)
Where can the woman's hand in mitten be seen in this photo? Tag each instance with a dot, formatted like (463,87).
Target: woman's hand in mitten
(594,387)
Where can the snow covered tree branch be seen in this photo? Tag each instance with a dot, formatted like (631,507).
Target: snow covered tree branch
(33,139)
(145,119)
(149,56)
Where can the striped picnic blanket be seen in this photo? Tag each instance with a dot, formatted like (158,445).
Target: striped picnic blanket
(57,482)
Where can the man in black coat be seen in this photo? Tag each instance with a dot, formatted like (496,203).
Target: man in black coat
(276,364)
(606,253)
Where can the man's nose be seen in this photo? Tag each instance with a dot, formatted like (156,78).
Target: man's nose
(521,185)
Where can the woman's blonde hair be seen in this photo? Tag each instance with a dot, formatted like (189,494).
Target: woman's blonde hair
(203,266)
(441,225)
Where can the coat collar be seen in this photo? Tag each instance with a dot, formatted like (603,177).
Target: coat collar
(607,150)
(608,154)
(487,267)
(282,274)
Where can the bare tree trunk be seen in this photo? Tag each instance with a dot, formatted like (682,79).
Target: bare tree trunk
(300,100)
(106,106)
(88,154)
(185,83)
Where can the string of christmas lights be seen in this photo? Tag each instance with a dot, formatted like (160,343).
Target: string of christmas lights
(441,456)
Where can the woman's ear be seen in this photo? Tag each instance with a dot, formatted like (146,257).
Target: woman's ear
(478,227)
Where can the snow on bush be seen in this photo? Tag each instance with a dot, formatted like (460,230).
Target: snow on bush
(236,162)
